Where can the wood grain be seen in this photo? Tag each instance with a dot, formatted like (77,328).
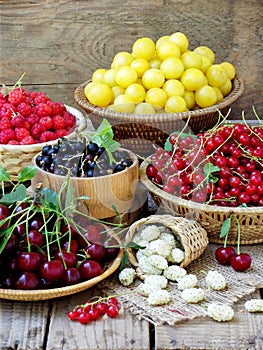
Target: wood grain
(60,43)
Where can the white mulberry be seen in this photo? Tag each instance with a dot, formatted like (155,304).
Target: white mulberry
(193,295)
(127,276)
(159,297)
(187,281)
(174,272)
(176,256)
(215,280)
(254,305)
(220,312)
(159,247)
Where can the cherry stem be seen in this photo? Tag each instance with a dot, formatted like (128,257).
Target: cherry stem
(238,234)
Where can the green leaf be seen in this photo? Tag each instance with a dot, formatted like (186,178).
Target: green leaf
(27,173)
(225,227)
(19,194)
(4,240)
(4,176)
(50,196)
(124,260)
(113,145)
(134,246)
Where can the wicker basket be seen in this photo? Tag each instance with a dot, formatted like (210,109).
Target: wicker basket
(210,217)
(188,233)
(15,157)
(45,294)
(140,132)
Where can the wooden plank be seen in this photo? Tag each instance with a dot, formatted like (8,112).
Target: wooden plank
(122,333)
(63,42)
(243,333)
(23,325)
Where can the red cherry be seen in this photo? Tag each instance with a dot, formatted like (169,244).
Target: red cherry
(35,238)
(28,261)
(4,210)
(240,262)
(52,270)
(89,269)
(27,281)
(224,254)
(71,276)
(96,251)
(70,258)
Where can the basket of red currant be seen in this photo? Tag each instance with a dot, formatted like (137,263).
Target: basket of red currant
(215,178)
(29,120)
(96,167)
(48,248)
(155,88)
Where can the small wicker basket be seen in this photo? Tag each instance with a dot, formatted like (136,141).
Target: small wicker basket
(188,233)
(46,294)
(15,157)
(210,217)
(140,132)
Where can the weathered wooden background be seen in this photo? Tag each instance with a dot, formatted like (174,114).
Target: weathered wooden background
(60,43)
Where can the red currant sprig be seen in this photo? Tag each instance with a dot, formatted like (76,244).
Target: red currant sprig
(92,310)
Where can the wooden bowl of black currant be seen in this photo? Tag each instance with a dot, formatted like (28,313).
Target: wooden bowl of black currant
(108,179)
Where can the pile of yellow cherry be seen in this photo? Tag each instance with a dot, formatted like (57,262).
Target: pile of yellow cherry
(161,77)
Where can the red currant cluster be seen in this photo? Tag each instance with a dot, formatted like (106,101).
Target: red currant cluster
(32,117)
(223,166)
(92,310)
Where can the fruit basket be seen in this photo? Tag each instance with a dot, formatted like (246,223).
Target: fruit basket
(15,157)
(140,132)
(188,233)
(210,217)
(46,294)
(103,192)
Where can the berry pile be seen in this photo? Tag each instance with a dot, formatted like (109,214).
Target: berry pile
(81,158)
(28,117)
(45,250)
(92,310)
(223,166)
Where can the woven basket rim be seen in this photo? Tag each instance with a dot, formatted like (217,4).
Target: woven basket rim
(237,90)
(81,124)
(90,179)
(45,294)
(189,204)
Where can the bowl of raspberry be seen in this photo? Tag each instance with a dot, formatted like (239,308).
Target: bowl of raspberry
(30,120)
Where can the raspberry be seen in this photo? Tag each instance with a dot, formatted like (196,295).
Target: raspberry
(6,135)
(32,119)
(46,122)
(61,133)
(13,142)
(21,133)
(69,119)
(43,110)
(58,122)
(18,121)
(47,136)
(28,140)
(24,109)
(40,98)
(5,123)
(58,108)
(7,110)
(36,131)
(16,96)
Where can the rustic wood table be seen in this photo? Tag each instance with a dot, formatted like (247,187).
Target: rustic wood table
(59,44)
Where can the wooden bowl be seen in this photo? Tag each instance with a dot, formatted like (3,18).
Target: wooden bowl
(104,192)
(15,157)
(140,133)
(210,217)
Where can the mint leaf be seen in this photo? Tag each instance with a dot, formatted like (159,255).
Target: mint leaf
(124,260)
(4,176)
(27,173)
(134,246)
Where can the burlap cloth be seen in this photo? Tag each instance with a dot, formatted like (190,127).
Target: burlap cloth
(239,284)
